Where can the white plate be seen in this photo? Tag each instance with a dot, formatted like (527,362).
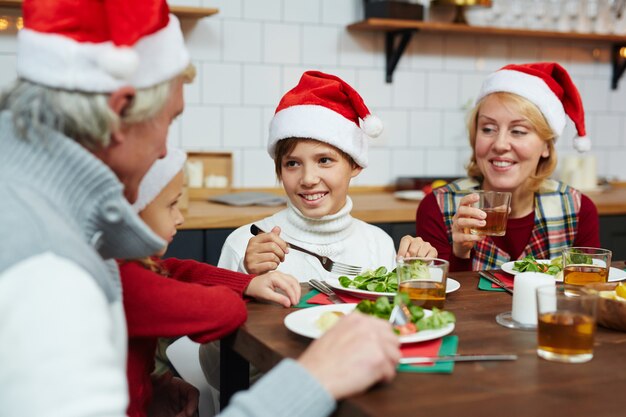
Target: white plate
(413,195)
(451,286)
(303,321)
(615,274)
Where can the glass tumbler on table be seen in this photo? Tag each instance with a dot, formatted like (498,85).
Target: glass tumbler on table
(423,280)
(586,265)
(496,205)
(566,323)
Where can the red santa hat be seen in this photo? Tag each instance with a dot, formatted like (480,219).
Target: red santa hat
(158,176)
(550,88)
(99,45)
(325,108)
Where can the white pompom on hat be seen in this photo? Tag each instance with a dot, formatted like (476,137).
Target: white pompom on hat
(100,46)
(159,175)
(550,88)
(325,108)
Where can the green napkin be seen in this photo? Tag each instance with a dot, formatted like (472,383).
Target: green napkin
(305,298)
(485,285)
(448,347)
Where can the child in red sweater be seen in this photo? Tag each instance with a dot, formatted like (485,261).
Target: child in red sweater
(173,298)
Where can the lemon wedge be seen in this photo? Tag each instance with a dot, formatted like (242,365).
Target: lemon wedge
(620,291)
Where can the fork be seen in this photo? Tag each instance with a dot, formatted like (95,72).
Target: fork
(325,289)
(327,263)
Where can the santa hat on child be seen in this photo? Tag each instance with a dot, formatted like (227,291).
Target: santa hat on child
(159,175)
(550,88)
(99,45)
(325,108)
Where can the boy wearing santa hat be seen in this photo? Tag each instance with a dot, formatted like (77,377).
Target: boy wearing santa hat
(319,139)
(520,112)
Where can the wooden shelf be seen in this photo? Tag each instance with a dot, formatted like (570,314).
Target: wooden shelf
(180,11)
(404,29)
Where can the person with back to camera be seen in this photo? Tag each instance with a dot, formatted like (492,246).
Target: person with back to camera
(99,84)
(318,146)
(520,112)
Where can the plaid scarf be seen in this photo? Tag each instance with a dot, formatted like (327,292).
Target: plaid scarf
(556,222)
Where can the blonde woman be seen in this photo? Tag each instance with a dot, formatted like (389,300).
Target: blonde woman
(520,113)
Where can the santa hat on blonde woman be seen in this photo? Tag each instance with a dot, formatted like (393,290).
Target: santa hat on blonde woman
(99,46)
(550,88)
(159,175)
(325,108)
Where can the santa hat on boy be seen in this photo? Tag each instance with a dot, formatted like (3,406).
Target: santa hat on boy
(99,45)
(550,88)
(159,175)
(325,108)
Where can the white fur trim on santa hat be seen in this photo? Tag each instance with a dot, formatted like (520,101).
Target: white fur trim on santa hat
(158,176)
(320,123)
(60,62)
(582,144)
(531,88)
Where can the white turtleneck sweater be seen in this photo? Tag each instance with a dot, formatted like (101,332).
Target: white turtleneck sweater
(339,236)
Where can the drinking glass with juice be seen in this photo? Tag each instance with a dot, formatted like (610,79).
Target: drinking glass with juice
(496,205)
(424,280)
(586,265)
(566,323)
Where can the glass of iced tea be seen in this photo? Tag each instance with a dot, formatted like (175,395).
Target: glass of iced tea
(424,280)
(566,323)
(496,205)
(586,265)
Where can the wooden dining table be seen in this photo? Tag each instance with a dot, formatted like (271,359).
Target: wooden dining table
(528,387)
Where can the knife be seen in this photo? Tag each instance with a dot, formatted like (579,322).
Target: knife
(456,358)
(324,289)
(492,278)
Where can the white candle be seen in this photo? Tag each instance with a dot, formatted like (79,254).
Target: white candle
(195,174)
(524,299)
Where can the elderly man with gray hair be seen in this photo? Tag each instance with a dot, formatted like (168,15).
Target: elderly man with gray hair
(99,83)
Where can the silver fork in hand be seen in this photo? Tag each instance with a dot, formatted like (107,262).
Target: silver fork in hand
(327,263)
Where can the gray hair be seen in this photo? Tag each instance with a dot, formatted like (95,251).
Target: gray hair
(84,117)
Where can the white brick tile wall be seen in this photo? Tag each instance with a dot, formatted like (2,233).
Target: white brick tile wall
(607,131)
(425,52)
(454,129)
(303,11)
(396,131)
(258,169)
(357,49)
(408,162)
(242,41)
(261,85)
(281,43)
(442,91)
(443,162)
(378,172)
(242,126)
(203,38)
(7,70)
(426,129)
(408,89)
(320,45)
(372,86)
(267,10)
(342,12)
(201,128)
(222,83)
(227,8)
(193,91)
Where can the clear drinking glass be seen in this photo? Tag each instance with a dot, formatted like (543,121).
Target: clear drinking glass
(566,323)
(586,265)
(496,205)
(424,280)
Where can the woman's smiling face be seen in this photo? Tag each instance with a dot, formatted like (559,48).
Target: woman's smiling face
(507,147)
(316,177)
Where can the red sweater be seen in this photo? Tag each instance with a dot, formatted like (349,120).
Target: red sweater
(198,300)
(431,228)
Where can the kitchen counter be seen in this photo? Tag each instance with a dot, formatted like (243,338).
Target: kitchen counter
(372,205)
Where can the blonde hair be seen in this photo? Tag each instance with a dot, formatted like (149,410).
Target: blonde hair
(285,146)
(518,104)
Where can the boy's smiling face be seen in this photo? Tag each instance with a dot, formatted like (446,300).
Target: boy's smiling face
(316,177)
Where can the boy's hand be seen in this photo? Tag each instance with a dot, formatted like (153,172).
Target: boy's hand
(276,287)
(265,252)
(416,246)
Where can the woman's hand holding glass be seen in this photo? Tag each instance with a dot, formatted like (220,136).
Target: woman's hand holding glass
(466,218)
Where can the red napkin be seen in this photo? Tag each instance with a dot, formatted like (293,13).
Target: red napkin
(428,348)
(323,299)
(506,279)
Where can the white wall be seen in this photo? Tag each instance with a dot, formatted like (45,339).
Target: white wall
(253,51)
